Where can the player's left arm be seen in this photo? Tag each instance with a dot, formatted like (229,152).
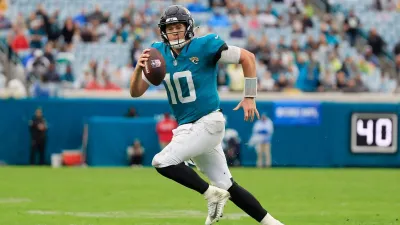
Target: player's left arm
(235,55)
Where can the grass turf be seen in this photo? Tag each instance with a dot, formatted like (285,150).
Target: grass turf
(140,196)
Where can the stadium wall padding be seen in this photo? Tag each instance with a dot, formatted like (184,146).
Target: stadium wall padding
(324,145)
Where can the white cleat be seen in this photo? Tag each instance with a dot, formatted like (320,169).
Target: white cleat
(278,223)
(217,199)
(269,220)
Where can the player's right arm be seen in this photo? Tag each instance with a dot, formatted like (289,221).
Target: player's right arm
(137,85)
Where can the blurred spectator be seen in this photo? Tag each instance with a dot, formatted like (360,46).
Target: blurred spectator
(370,56)
(120,36)
(378,5)
(196,7)
(355,85)
(164,130)
(109,85)
(222,77)
(98,15)
(236,32)
(216,3)
(87,34)
(135,52)
(40,88)
(68,76)
(19,41)
(36,33)
(4,22)
(81,18)
(376,42)
(49,52)
(236,79)
(296,23)
(390,5)
(308,74)
(349,67)
(16,89)
(218,20)
(135,154)
(397,65)
(308,9)
(307,23)
(93,83)
(351,26)
(253,21)
(37,66)
(341,82)
(52,27)
(252,45)
(38,129)
(267,19)
(396,49)
(131,113)
(231,147)
(263,130)
(123,75)
(52,75)
(266,83)
(126,18)
(68,30)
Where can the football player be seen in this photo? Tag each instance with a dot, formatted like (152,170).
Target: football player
(191,84)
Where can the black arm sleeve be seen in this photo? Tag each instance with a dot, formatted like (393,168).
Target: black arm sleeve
(218,53)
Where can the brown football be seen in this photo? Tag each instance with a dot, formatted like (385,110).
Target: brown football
(154,68)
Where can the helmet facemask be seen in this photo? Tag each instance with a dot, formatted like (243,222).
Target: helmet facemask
(180,43)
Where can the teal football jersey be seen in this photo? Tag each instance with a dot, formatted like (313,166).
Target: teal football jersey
(191,79)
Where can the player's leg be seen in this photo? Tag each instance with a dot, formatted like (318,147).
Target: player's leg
(32,156)
(189,140)
(41,148)
(213,165)
(259,155)
(170,161)
(268,159)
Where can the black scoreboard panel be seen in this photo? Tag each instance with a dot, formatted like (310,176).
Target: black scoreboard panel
(374,133)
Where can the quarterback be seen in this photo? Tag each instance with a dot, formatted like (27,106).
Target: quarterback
(191,84)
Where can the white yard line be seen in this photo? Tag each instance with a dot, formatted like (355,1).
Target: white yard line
(138,214)
(14,200)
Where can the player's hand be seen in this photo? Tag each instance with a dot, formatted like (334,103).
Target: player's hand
(143,58)
(249,108)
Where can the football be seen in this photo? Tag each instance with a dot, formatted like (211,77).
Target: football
(154,68)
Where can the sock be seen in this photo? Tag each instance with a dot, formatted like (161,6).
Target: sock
(185,176)
(268,219)
(247,202)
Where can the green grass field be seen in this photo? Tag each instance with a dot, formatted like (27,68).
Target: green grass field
(126,196)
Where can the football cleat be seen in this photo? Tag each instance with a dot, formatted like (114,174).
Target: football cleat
(216,198)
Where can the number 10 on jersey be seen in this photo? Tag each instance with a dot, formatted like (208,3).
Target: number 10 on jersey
(185,91)
(374,133)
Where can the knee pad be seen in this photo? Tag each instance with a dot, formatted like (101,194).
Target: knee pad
(163,159)
(223,183)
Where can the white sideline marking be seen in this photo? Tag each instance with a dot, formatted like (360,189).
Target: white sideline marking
(14,200)
(138,214)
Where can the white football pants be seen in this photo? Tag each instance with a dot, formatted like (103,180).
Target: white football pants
(201,142)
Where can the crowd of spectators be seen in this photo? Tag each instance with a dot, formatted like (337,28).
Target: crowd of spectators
(47,44)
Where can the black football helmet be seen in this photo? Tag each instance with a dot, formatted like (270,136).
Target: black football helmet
(176,14)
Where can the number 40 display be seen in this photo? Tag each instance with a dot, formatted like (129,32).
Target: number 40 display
(374,132)
(382,124)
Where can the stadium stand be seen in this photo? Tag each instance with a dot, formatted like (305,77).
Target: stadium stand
(94,45)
